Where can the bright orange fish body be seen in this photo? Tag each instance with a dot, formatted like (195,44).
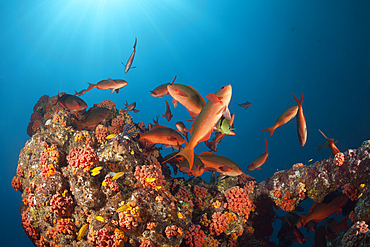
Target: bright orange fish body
(257,163)
(188,97)
(213,144)
(287,115)
(93,118)
(71,102)
(197,169)
(163,135)
(112,85)
(319,211)
(206,120)
(213,162)
(301,122)
(182,129)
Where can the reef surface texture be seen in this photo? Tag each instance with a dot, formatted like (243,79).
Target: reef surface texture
(101,187)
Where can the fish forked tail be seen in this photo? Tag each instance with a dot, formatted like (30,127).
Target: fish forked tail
(79,124)
(299,101)
(91,86)
(271,130)
(188,154)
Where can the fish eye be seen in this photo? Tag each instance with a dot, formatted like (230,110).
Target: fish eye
(223,87)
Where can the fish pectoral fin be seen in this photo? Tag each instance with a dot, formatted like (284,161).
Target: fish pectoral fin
(171,138)
(180,93)
(209,169)
(111,91)
(227,113)
(132,67)
(213,98)
(193,114)
(225,168)
(175,102)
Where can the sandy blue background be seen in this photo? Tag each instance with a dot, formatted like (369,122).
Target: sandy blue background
(265,49)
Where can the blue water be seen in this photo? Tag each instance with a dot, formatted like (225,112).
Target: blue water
(265,49)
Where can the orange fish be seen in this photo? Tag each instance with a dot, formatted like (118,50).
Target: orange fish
(320,211)
(131,59)
(257,163)
(166,136)
(161,89)
(82,92)
(213,162)
(188,97)
(93,118)
(301,122)
(182,129)
(283,119)
(332,225)
(213,144)
(333,148)
(206,120)
(131,107)
(325,144)
(168,114)
(71,102)
(112,85)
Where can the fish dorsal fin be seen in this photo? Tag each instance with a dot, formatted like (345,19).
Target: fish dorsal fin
(213,98)
(225,168)
(173,80)
(112,81)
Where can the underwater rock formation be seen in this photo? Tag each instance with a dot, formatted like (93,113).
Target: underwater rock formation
(101,187)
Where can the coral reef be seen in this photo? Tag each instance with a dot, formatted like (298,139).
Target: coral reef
(101,187)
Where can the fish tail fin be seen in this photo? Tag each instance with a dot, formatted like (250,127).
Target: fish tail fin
(318,147)
(78,123)
(188,153)
(271,130)
(299,101)
(267,146)
(135,43)
(343,223)
(91,86)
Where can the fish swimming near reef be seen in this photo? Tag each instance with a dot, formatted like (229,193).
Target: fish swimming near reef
(319,211)
(197,169)
(131,107)
(161,89)
(333,148)
(287,115)
(301,122)
(164,135)
(131,59)
(213,162)
(245,105)
(188,97)
(93,118)
(71,102)
(168,115)
(212,111)
(110,84)
(325,144)
(82,92)
(257,163)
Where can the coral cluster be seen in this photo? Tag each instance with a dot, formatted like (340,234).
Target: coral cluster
(101,187)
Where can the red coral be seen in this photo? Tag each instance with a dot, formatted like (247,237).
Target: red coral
(27,225)
(19,171)
(16,183)
(150,175)
(100,133)
(194,236)
(238,200)
(277,192)
(350,191)
(35,116)
(174,231)
(110,183)
(357,235)
(287,204)
(107,104)
(146,243)
(61,205)
(117,125)
(41,100)
(200,191)
(183,194)
(339,159)
(220,223)
(84,158)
